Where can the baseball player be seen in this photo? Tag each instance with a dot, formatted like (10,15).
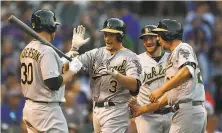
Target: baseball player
(114,76)
(185,92)
(42,79)
(153,62)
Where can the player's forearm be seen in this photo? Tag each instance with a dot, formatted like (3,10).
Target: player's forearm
(182,76)
(155,106)
(67,76)
(128,82)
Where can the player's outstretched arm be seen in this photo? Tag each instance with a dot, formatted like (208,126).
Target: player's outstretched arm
(74,66)
(138,110)
(181,76)
(56,82)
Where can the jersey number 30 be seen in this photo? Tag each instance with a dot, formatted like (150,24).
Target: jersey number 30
(27,73)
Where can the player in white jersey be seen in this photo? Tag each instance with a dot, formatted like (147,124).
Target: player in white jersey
(185,92)
(114,76)
(153,63)
(42,78)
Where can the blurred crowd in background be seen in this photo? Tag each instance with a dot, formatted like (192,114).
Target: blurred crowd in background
(202,23)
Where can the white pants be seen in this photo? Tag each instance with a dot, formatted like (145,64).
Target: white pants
(153,123)
(182,119)
(44,118)
(199,119)
(189,119)
(113,119)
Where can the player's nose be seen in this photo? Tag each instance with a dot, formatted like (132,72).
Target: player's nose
(158,37)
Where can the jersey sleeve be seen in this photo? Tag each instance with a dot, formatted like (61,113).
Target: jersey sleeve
(134,68)
(49,65)
(186,57)
(87,58)
(142,75)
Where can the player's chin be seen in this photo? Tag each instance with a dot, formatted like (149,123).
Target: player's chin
(109,47)
(150,49)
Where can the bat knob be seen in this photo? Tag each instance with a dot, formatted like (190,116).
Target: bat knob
(10,18)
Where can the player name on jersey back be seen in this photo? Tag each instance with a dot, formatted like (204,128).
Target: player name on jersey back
(30,53)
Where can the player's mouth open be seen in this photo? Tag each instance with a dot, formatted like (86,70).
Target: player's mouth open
(150,45)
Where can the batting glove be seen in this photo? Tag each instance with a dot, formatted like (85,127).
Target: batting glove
(75,65)
(78,37)
(70,54)
(112,72)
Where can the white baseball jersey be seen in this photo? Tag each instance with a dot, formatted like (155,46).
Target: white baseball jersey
(152,76)
(182,54)
(38,63)
(104,87)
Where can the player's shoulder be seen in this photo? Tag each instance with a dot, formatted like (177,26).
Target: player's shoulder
(184,45)
(35,44)
(97,51)
(100,49)
(181,48)
(128,52)
(47,49)
(32,44)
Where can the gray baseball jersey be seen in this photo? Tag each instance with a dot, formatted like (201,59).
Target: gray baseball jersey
(38,63)
(104,87)
(199,112)
(192,116)
(152,78)
(180,55)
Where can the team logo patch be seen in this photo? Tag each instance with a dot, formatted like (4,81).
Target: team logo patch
(184,52)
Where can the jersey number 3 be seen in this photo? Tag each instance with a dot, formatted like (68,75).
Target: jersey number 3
(114,86)
(27,73)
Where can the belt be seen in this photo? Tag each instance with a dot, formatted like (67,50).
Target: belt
(104,104)
(163,111)
(42,101)
(194,103)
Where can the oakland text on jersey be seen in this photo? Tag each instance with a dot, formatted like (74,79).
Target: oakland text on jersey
(156,73)
(98,71)
(121,68)
(30,53)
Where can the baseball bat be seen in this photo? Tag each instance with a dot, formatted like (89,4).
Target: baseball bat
(32,33)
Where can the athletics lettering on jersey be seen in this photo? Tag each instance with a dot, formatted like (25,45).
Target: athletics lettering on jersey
(156,73)
(30,53)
